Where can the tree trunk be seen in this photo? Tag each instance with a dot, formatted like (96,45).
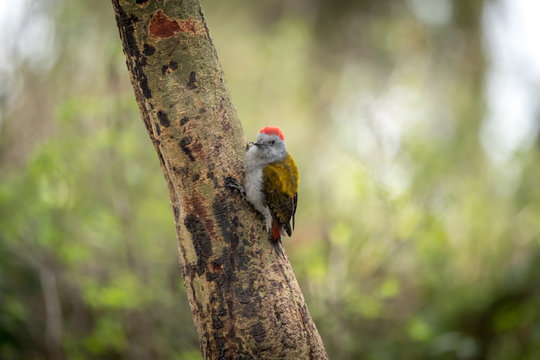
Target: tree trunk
(245,299)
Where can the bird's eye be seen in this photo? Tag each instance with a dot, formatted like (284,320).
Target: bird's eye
(273,142)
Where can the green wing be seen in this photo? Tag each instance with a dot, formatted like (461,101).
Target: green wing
(281,191)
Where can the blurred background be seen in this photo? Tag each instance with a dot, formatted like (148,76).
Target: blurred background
(415,128)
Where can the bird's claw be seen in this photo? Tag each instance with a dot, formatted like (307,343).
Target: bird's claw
(231,183)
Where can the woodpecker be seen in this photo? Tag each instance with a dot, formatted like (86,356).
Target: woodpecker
(271,182)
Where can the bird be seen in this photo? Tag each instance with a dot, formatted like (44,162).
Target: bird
(271,182)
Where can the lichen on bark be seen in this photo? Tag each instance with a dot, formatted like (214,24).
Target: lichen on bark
(245,300)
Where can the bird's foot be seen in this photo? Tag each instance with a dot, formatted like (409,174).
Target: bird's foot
(231,183)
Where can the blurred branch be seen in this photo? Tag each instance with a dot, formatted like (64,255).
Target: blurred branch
(245,300)
(53,312)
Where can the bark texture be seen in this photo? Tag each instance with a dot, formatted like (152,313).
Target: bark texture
(245,300)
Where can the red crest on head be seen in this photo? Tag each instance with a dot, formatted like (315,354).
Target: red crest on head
(269,130)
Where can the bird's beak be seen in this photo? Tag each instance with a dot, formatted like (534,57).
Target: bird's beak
(256,143)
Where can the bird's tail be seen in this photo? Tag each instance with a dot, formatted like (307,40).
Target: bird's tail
(276,238)
(276,233)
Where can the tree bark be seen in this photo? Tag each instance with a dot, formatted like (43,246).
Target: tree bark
(245,299)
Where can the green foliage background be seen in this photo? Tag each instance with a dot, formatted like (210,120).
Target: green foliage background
(411,242)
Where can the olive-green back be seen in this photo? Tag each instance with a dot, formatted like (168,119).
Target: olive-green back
(280,187)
